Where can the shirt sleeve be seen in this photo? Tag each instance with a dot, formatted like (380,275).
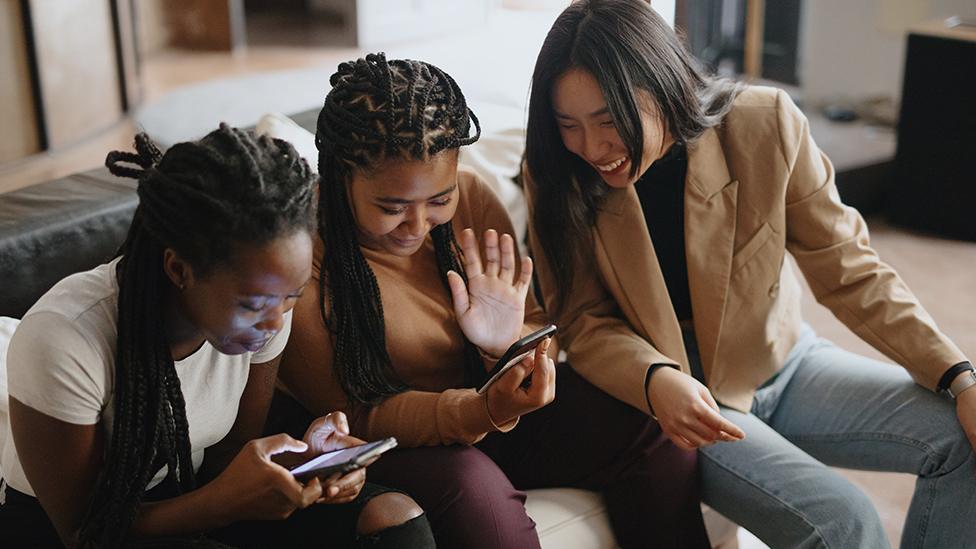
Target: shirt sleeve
(53,368)
(276,344)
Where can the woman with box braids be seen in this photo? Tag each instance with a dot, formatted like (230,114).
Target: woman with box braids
(218,250)
(202,200)
(411,311)
(378,111)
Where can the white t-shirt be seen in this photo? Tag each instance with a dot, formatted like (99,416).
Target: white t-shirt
(61,362)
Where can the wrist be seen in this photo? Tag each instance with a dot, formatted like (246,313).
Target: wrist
(491,418)
(655,368)
(962,383)
(488,356)
(951,374)
(218,508)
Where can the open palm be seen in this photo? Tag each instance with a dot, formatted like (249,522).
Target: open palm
(490,308)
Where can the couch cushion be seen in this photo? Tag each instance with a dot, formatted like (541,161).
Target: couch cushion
(577,519)
(568,517)
(51,230)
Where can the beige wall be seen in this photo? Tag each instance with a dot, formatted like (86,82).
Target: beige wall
(17,110)
(76,58)
(151,26)
(857,49)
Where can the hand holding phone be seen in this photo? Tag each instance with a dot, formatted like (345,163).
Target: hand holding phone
(253,487)
(509,396)
(515,353)
(342,461)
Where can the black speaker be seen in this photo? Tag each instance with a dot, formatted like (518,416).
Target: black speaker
(934,186)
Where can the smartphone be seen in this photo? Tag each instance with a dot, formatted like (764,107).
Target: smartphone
(342,461)
(519,350)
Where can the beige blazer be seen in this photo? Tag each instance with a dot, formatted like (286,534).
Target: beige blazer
(756,187)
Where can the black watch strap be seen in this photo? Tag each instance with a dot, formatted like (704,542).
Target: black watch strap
(951,374)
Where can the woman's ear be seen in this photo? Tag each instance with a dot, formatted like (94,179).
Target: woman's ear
(178,270)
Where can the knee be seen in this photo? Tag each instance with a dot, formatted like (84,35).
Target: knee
(847,519)
(952,452)
(386,511)
(473,481)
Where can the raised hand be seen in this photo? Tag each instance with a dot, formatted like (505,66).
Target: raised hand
(490,308)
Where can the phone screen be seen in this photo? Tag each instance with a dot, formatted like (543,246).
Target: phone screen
(338,457)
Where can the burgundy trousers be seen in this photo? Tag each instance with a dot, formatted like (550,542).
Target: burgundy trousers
(474,495)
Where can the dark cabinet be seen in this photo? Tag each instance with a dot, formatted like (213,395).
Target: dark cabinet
(934,187)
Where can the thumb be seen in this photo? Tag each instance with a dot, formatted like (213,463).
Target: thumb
(459,293)
(513,378)
(280,443)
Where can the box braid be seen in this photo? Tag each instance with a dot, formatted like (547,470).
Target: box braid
(203,199)
(379,111)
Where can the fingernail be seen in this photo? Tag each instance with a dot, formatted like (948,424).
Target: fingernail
(333,491)
(545,345)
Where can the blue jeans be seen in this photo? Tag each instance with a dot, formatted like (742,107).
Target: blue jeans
(831,407)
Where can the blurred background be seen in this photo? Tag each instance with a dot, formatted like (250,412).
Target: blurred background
(887,86)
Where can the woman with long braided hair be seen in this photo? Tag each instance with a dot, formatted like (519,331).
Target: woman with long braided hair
(139,389)
(410,310)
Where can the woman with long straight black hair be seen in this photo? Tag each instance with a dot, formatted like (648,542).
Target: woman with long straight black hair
(663,204)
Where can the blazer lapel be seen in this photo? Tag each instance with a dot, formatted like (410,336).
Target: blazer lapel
(624,238)
(710,215)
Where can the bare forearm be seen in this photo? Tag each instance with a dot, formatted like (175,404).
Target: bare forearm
(197,511)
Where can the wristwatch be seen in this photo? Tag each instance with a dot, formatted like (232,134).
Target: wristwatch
(961,383)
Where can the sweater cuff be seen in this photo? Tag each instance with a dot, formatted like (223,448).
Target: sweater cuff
(477,420)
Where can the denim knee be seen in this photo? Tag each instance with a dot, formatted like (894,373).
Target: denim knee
(947,454)
(844,518)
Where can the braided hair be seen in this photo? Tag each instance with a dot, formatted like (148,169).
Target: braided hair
(379,111)
(205,200)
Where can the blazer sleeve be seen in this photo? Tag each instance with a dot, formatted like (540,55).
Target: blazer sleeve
(600,344)
(831,245)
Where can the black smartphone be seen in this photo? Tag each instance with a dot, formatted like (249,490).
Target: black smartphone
(519,350)
(342,461)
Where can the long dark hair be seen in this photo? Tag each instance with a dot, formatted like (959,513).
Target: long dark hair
(629,49)
(205,200)
(379,111)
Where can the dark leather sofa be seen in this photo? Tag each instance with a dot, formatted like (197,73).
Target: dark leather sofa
(51,230)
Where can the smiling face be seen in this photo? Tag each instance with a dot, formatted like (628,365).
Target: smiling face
(587,128)
(238,306)
(397,203)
